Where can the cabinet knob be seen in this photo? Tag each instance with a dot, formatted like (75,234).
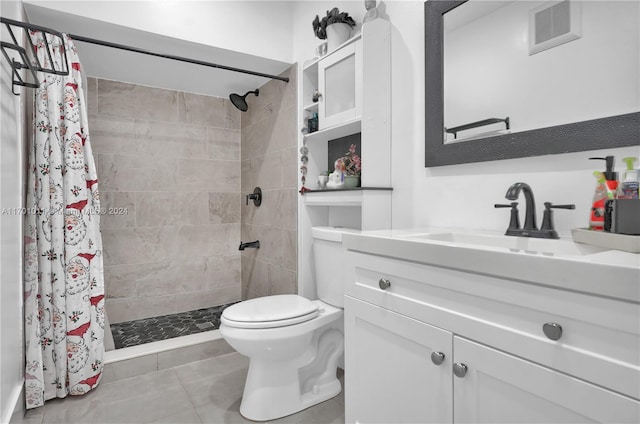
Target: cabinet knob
(459,369)
(437,358)
(384,283)
(316,96)
(552,330)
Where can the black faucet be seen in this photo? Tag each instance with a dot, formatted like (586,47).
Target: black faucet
(530,212)
(252,244)
(530,228)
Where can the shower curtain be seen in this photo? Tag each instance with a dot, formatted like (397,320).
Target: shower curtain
(63,272)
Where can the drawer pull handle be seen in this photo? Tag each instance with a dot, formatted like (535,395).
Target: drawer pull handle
(384,283)
(437,358)
(552,330)
(459,369)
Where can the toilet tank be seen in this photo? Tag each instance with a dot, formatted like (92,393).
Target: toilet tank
(329,263)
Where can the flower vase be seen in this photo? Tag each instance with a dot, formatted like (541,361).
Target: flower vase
(337,34)
(351,181)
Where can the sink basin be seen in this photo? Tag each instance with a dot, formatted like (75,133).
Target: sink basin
(549,247)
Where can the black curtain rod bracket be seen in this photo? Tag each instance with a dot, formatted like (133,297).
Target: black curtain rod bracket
(21,58)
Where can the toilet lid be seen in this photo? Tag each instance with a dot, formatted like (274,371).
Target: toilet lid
(270,311)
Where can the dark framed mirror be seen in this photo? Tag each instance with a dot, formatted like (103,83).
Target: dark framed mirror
(607,132)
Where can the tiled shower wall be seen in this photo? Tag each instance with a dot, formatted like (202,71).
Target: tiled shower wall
(169,170)
(270,161)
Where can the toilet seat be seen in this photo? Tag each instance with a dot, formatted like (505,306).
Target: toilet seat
(270,312)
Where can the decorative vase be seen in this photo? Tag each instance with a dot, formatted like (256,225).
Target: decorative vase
(337,34)
(351,181)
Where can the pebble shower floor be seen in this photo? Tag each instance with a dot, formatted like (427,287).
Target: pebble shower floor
(133,333)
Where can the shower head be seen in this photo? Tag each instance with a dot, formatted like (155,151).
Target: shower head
(240,101)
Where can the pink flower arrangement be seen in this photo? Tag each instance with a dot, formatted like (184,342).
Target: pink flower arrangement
(351,162)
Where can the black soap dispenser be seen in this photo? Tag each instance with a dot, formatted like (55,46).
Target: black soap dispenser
(610,176)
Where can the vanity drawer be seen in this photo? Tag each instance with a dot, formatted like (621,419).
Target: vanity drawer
(600,340)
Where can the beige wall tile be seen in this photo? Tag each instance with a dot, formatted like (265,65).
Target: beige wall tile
(290,250)
(173,159)
(119,210)
(207,110)
(270,250)
(139,245)
(267,171)
(223,271)
(171,139)
(139,308)
(120,281)
(113,134)
(224,208)
(208,240)
(91,91)
(247,180)
(223,143)
(204,299)
(254,142)
(270,160)
(137,101)
(281,281)
(208,175)
(255,277)
(136,173)
(155,209)
(172,277)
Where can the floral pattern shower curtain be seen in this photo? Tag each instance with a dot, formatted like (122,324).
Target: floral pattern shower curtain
(64,284)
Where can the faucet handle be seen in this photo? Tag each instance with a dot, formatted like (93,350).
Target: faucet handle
(551,205)
(547,219)
(514,222)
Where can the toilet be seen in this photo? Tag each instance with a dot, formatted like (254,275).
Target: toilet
(294,344)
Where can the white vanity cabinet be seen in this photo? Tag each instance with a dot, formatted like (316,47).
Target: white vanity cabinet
(499,365)
(502,388)
(392,377)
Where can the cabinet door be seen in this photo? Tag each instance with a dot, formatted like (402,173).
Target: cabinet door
(339,81)
(389,374)
(501,388)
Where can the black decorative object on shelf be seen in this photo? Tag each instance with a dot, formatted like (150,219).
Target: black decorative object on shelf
(334,16)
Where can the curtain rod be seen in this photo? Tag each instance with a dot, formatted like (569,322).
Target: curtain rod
(172,57)
(142,51)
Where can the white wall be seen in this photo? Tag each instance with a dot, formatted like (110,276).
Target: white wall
(459,196)
(489,72)
(261,28)
(11,180)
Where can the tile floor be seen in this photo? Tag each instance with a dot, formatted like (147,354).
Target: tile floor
(133,333)
(207,391)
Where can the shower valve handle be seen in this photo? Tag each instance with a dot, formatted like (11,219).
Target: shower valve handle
(256,196)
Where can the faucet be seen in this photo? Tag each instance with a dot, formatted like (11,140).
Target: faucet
(530,228)
(251,244)
(530,212)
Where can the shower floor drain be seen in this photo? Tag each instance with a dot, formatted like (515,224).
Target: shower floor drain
(133,333)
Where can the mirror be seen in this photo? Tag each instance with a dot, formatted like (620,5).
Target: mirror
(530,133)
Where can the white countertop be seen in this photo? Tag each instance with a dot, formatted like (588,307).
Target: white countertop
(561,264)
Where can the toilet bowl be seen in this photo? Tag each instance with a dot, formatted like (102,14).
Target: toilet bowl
(294,344)
(293,359)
